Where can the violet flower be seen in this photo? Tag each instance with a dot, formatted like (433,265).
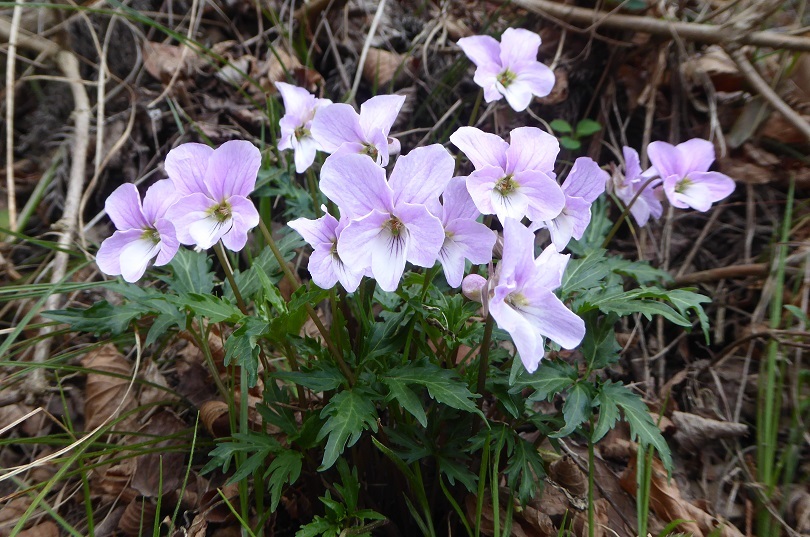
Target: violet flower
(215,184)
(299,109)
(585,182)
(143,231)
(341,131)
(464,238)
(389,221)
(516,179)
(684,170)
(626,187)
(325,265)
(522,301)
(510,68)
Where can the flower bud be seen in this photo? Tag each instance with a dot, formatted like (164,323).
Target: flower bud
(472,286)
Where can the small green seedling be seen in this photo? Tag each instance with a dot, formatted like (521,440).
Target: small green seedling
(571,136)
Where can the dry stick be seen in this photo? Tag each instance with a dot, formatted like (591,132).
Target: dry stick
(704,33)
(10,72)
(66,227)
(753,77)
(364,53)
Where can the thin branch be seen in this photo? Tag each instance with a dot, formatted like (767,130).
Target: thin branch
(755,79)
(704,33)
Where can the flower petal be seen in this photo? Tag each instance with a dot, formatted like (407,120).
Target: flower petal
(186,211)
(158,198)
(421,175)
(244,218)
(453,263)
(518,45)
(537,77)
(123,207)
(480,185)
(515,204)
(531,149)
(529,346)
(570,223)
(232,169)
(457,203)
(379,113)
(719,185)
(356,184)
(517,261)
(320,232)
(549,316)
(354,240)
(632,163)
(305,151)
(482,50)
(545,197)
(549,268)
(299,104)
(135,257)
(475,239)
(186,164)
(335,125)
(666,159)
(518,94)
(425,234)
(168,241)
(481,148)
(108,257)
(586,180)
(697,155)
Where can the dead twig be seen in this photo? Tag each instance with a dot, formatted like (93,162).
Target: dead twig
(67,62)
(703,33)
(755,79)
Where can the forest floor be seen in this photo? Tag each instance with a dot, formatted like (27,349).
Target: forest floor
(98,93)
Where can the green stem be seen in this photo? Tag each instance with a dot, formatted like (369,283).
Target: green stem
(226,266)
(626,211)
(268,237)
(476,106)
(483,363)
(313,190)
(591,484)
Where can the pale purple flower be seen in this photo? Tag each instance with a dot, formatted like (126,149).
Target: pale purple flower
(464,238)
(325,265)
(585,182)
(341,131)
(510,68)
(522,301)
(390,222)
(143,231)
(299,109)
(516,179)
(626,187)
(215,184)
(684,170)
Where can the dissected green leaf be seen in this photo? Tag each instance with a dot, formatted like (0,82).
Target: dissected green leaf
(191,273)
(524,470)
(321,377)
(347,415)
(100,318)
(551,378)
(242,347)
(214,309)
(285,469)
(576,409)
(406,398)
(442,384)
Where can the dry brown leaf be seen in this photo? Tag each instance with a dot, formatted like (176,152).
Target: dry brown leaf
(580,524)
(114,482)
(567,474)
(799,510)
(693,431)
(162,472)
(214,417)
(162,60)
(140,513)
(718,66)
(668,504)
(103,392)
(275,67)
(46,529)
(383,67)
(11,512)
(152,392)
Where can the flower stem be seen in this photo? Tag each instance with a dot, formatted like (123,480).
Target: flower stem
(476,106)
(626,211)
(268,237)
(226,266)
(483,363)
(313,190)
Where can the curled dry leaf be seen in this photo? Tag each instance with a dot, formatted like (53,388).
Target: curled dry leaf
(567,474)
(113,482)
(693,431)
(11,512)
(214,417)
(139,514)
(162,60)
(799,510)
(160,473)
(718,66)
(668,504)
(104,393)
(277,65)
